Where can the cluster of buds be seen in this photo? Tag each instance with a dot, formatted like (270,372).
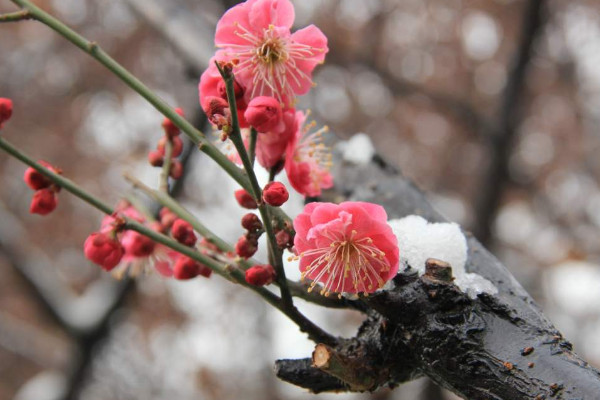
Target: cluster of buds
(118,250)
(247,245)
(172,135)
(6,109)
(45,199)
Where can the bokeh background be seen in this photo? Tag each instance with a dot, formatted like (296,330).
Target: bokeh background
(492,107)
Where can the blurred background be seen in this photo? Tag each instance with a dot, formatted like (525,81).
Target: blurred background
(491,107)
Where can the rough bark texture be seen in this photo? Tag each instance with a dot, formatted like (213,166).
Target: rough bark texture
(493,347)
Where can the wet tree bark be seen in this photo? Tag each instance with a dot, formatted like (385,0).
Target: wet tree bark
(490,347)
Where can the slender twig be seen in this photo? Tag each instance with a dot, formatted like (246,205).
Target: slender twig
(252,145)
(228,272)
(275,254)
(166,167)
(15,16)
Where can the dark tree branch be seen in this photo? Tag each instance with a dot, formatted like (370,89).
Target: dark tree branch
(496,178)
(497,347)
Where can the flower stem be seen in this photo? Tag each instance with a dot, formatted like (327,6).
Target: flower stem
(15,16)
(252,145)
(166,167)
(275,254)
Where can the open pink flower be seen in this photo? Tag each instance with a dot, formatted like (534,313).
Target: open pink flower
(349,247)
(308,160)
(272,61)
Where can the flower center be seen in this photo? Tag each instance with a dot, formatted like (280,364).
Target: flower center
(355,259)
(271,51)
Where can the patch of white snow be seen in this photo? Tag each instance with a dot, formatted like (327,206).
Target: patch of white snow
(419,240)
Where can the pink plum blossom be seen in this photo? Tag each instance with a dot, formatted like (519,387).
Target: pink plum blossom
(308,160)
(348,247)
(271,61)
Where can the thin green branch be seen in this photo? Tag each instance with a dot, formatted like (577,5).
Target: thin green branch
(166,167)
(228,272)
(275,254)
(252,145)
(15,16)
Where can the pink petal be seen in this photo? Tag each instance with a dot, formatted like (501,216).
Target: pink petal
(226,27)
(271,12)
(324,213)
(376,211)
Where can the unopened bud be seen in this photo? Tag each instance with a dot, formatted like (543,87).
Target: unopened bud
(44,202)
(103,250)
(155,158)
(217,111)
(171,130)
(260,275)
(246,247)
(275,194)
(264,114)
(185,268)
(283,239)
(137,245)
(6,109)
(176,142)
(176,171)
(183,232)
(245,200)
(251,222)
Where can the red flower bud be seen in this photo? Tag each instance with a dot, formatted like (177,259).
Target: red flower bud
(260,275)
(171,130)
(283,239)
(137,245)
(177,146)
(155,158)
(183,232)
(103,250)
(186,268)
(275,194)
(176,171)
(35,180)
(217,111)
(245,200)
(246,247)
(251,222)
(6,108)
(204,271)
(167,217)
(264,114)
(44,202)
